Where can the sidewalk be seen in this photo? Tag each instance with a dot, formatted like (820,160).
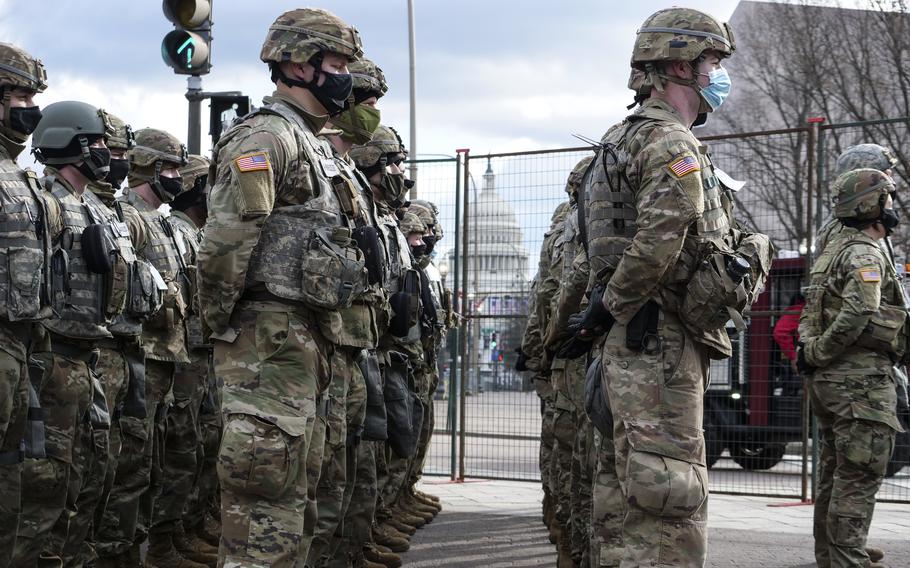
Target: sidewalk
(495,524)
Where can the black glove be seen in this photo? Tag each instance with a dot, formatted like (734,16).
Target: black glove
(595,320)
(802,365)
(575,347)
(521,362)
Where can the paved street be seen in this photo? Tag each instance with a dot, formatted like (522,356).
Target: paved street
(497,524)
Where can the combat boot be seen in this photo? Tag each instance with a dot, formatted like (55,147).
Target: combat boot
(394,543)
(431,506)
(412,504)
(410,509)
(162,554)
(427,496)
(387,559)
(875,554)
(409,519)
(400,526)
(393,532)
(194,548)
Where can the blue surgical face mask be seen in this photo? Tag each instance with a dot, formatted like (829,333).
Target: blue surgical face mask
(719,86)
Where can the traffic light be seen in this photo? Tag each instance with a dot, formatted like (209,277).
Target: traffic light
(188,48)
(224,109)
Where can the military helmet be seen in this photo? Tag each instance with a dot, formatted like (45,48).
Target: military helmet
(153,145)
(865,156)
(428,214)
(19,69)
(577,173)
(680,34)
(368,78)
(119,135)
(385,141)
(859,195)
(195,167)
(66,130)
(411,223)
(300,34)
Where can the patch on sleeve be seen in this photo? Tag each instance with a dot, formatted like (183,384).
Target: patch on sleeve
(253,162)
(684,166)
(870,274)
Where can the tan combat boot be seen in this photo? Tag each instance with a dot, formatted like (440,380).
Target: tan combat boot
(432,507)
(394,543)
(191,546)
(409,519)
(875,554)
(162,554)
(400,526)
(427,496)
(411,509)
(387,559)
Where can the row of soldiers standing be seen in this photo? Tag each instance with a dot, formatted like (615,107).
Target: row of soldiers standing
(255,393)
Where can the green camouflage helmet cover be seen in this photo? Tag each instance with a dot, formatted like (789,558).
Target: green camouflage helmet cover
(368,77)
(860,194)
(865,156)
(153,145)
(411,223)
(61,123)
(196,166)
(119,135)
(19,69)
(576,175)
(300,34)
(680,34)
(385,141)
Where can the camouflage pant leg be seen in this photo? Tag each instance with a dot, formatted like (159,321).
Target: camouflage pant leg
(546,443)
(564,429)
(657,403)
(333,475)
(78,548)
(383,459)
(115,522)
(581,481)
(270,379)
(50,486)
(359,516)
(181,442)
(205,493)
(159,382)
(423,442)
(13,413)
(608,506)
(855,454)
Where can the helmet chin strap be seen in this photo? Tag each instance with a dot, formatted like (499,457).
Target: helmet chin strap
(658,76)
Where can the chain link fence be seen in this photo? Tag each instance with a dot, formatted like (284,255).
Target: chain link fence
(495,210)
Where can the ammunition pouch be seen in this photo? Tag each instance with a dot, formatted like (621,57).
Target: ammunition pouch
(886,330)
(641,332)
(367,239)
(332,269)
(60,279)
(375,425)
(34,440)
(172,312)
(97,248)
(597,406)
(405,305)
(399,407)
(145,295)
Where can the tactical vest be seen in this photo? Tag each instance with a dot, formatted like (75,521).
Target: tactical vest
(160,249)
(305,253)
(87,300)
(25,246)
(190,237)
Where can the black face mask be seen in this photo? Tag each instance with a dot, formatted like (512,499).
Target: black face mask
(334,91)
(393,188)
(430,242)
(891,218)
(167,188)
(419,250)
(24,119)
(120,168)
(98,165)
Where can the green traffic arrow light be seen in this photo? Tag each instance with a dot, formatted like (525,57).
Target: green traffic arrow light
(188,46)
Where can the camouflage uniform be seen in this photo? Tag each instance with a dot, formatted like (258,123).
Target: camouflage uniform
(276,262)
(852,332)
(646,242)
(23,285)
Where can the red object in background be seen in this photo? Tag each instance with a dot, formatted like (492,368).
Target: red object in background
(785,332)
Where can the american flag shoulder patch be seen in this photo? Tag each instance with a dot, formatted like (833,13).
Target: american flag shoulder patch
(870,275)
(684,165)
(252,162)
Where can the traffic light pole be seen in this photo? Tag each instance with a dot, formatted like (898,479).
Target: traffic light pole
(194,95)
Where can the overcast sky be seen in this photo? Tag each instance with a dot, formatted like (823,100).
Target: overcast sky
(493,76)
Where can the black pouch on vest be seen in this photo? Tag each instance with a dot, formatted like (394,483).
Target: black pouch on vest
(399,407)
(375,425)
(34,429)
(411,288)
(367,239)
(597,407)
(400,303)
(96,249)
(641,333)
(134,402)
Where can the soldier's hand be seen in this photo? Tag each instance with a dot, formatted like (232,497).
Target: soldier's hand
(575,347)
(595,320)
(801,364)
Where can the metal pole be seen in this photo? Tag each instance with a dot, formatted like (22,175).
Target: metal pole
(194,117)
(464,323)
(457,307)
(412,52)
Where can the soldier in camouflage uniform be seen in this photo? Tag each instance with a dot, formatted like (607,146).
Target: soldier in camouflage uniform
(56,518)
(569,298)
(658,224)
(276,264)
(851,333)
(355,328)
(854,158)
(183,442)
(24,269)
(154,178)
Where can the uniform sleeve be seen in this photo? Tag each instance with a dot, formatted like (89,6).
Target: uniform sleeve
(547,283)
(249,168)
(861,296)
(136,226)
(549,288)
(530,342)
(569,299)
(667,204)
